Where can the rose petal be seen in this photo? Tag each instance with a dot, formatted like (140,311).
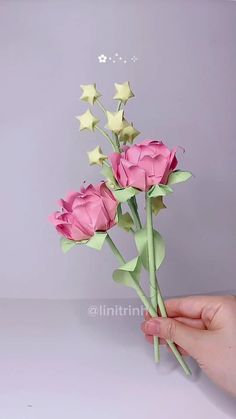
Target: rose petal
(137,178)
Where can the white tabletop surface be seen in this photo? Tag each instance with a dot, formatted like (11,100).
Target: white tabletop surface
(59,362)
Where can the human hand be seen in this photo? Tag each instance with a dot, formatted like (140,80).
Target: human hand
(203,327)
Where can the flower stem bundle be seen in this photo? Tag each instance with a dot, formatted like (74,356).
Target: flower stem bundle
(147,169)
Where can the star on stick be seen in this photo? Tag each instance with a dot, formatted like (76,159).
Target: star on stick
(96,156)
(87,121)
(90,93)
(128,133)
(123,92)
(115,121)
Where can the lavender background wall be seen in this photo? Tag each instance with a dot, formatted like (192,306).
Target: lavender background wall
(185,86)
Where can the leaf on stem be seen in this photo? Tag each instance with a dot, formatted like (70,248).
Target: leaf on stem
(178,176)
(157,204)
(97,240)
(159,190)
(108,174)
(128,273)
(122,195)
(67,244)
(125,221)
(142,246)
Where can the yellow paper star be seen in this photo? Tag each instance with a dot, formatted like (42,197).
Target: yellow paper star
(115,121)
(87,121)
(96,156)
(128,133)
(90,93)
(123,92)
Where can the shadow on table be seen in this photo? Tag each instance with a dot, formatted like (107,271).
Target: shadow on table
(218,397)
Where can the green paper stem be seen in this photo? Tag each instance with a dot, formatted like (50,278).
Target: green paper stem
(105,163)
(137,287)
(152,269)
(133,208)
(156,297)
(117,142)
(119,105)
(101,106)
(107,136)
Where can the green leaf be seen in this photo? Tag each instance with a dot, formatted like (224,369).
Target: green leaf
(97,240)
(118,213)
(134,200)
(142,246)
(67,244)
(178,176)
(128,273)
(122,195)
(157,204)
(159,190)
(125,221)
(108,174)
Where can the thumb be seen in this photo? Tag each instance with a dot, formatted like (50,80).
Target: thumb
(189,338)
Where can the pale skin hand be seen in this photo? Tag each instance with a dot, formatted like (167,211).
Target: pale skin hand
(203,327)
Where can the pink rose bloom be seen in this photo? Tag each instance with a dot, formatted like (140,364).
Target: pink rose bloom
(85,212)
(143,165)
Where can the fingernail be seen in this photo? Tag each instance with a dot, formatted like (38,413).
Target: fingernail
(152,327)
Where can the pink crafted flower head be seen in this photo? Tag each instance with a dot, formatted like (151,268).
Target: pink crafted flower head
(85,212)
(143,165)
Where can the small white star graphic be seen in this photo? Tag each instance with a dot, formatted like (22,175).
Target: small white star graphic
(102,58)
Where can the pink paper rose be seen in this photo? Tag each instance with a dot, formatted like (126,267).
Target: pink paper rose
(143,165)
(85,212)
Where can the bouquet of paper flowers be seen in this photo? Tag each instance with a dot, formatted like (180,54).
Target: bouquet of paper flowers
(147,168)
